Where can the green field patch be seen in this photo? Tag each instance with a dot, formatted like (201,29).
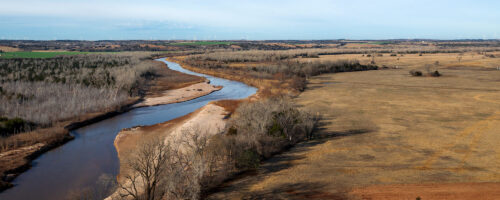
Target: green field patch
(381,42)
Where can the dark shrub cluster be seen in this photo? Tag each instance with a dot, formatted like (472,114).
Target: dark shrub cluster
(430,73)
(435,74)
(12,126)
(416,73)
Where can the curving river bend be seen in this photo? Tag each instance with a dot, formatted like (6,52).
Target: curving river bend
(79,163)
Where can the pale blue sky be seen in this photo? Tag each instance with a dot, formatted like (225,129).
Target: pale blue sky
(249,19)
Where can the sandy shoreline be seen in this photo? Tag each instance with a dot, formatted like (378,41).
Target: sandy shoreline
(179,95)
(208,120)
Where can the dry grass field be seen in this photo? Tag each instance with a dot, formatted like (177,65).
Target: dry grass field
(8,49)
(388,135)
(415,61)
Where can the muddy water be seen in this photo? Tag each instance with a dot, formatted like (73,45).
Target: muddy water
(79,163)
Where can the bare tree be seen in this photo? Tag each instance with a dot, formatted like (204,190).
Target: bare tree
(171,169)
(146,171)
(187,165)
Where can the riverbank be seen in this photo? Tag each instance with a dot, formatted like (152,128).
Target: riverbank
(264,86)
(16,160)
(179,95)
(99,157)
(208,120)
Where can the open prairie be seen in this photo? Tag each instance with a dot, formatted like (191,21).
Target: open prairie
(385,134)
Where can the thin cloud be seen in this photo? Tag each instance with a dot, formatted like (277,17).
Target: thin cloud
(259,19)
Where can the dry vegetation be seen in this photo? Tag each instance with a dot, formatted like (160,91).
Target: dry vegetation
(400,136)
(44,103)
(378,127)
(39,97)
(188,166)
(49,90)
(273,72)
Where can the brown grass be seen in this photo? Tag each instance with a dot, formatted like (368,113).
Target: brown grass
(414,61)
(229,105)
(9,49)
(386,127)
(447,191)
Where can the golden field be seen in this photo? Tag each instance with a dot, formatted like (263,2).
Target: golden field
(388,135)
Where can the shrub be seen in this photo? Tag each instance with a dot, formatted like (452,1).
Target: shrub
(298,83)
(312,55)
(12,126)
(248,159)
(232,131)
(276,119)
(435,74)
(416,73)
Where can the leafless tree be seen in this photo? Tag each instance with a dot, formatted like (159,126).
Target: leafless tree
(147,168)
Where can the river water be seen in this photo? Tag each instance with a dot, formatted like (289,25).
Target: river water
(79,163)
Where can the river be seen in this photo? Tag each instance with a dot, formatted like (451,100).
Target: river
(79,163)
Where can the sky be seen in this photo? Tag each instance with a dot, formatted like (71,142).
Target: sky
(249,19)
